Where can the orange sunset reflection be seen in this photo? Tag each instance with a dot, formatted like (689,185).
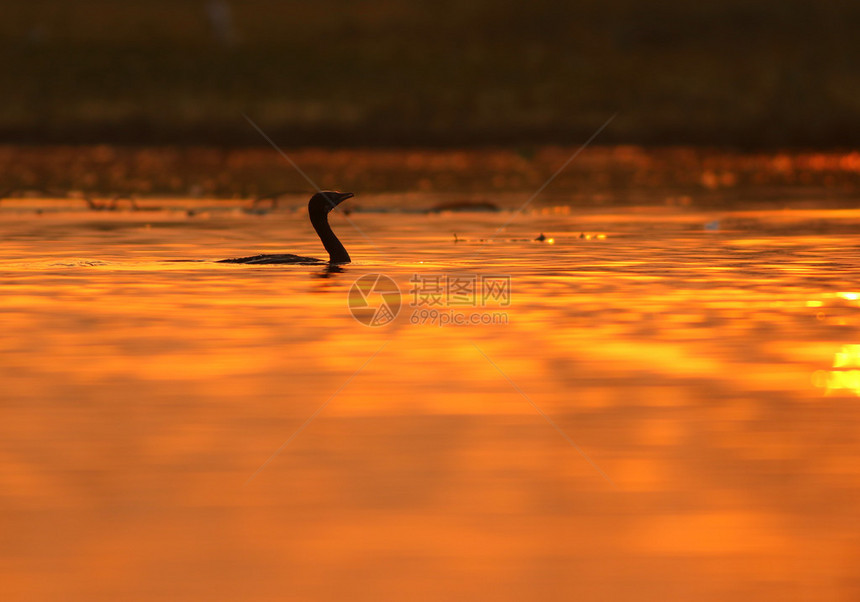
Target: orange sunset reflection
(652,406)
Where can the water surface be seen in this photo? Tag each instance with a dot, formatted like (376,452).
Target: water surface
(669,412)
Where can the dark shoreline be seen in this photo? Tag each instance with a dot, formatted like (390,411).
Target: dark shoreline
(136,135)
(601,175)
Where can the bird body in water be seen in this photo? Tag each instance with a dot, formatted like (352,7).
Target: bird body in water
(318,209)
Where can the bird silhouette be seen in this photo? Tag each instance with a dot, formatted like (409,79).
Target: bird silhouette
(319,207)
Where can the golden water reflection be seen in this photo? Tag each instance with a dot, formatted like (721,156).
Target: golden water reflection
(695,369)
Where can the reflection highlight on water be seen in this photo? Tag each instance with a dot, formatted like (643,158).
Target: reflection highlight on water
(711,374)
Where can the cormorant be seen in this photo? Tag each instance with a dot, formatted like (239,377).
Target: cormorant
(318,209)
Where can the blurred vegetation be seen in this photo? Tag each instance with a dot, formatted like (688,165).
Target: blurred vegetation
(742,73)
(605,175)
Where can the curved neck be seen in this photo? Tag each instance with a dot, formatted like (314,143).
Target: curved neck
(336,251)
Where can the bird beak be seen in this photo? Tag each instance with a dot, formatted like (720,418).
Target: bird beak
(344,196)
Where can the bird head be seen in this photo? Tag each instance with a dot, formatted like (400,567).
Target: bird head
(327,200)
